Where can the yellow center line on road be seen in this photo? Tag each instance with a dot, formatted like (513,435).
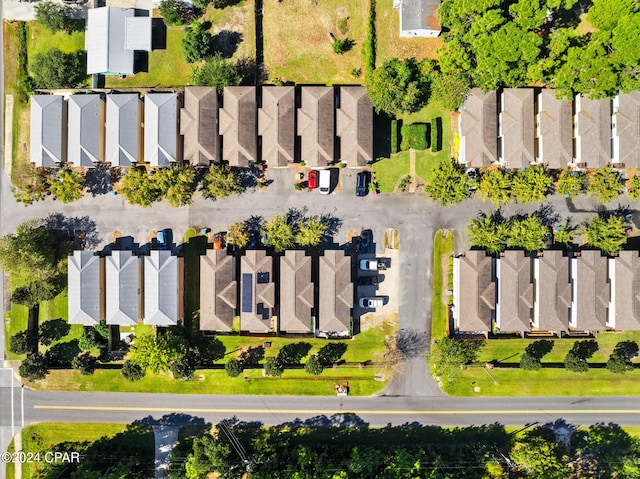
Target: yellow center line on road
(339,411)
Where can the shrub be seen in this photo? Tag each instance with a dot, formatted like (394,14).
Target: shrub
(52,16)
(619,364)
(394,136)
(529,362)
(54,69)
(217,72)
(573,362)
(342,25)
(605,184)
(172,12)
(197,43)
(34,367)
(414,136)
(132,371)
(570,183)
(369,46)
(233,368)
(313,365)
(85,363)
(184,367)
(23,342)
(341,46)
(272,367)
(436,134)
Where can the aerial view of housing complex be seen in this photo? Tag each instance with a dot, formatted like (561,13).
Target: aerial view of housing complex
(320,239)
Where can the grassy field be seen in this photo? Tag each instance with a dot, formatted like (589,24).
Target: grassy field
(442,248)
(41,40)
(297,45)
(390,45)
(427,160)
(513,381)
(389,170)
(239,19)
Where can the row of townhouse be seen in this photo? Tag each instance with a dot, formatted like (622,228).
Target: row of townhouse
(289,294)
(517,127)
(276,125)
(583,292)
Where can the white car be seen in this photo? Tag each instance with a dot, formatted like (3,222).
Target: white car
(369,264)
(371,302)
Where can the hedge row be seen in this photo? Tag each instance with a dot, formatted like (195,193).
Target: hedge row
(369,46)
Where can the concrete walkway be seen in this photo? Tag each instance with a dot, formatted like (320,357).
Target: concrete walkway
(412,170)
(165,439)
(17,466)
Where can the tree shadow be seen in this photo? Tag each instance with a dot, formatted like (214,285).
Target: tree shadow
(173,419)
(332,222)
(254,225)
(412,343)
(627,349)
(226,42)
(60,355)
(74,226)
(585,349)
(296,215)
(252,355)
(343,420)
(293,353)
(98,181)
(53,330)
(251,72)
(538,349)
(331,353)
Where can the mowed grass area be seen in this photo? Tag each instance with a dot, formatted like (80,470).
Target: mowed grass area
(239,19)
(297,45)
(389,170)
(41,40)
(44,437)
(366,347)
(442,249)
(390,45)
(167,67)
(553,381)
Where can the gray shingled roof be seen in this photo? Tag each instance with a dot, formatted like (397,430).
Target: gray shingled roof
(161,288)
(257,291)
(276,120)
(354,126)
(238,126)
(627,118)
(514,310)
(418,15)
(85,295)
(316,125)
(47,130)
(336,291)
(85,127)
(517,127)
(478,129)
(590,291)
(105,41)
(556,130)
(160,128)
(593,132)
(218,291)
(122,288)
(123,129)
(199,125)
(296,292)
(626,278)
(553,291)
(474,292)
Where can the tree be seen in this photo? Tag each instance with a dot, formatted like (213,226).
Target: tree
(184,367)
(85,363)
(52,16)
(53,330)
(495,186)
(91,339)
(132,371)
(489,232)
(197,43)
(607,233)
(571,183)
(220,181)
(233,368)
(34,367)
(528,233)
(313,365)
(540,457)
(399,86)
(450,89)
(172,12)
(574,363)
(310,232)
(138,188)
(156,352)
(564,234)
(67,185)
(176,184)
(53,69)
(605,184)
(529,362)
(211,454)
(448,183)
(278,233)
(23,342)
(237,235)
(448,355)
(216,72)
(530,185)
(272,367)
(30,252)
(605,14)
(341,46)
(619,364)
(634,190)
(34,293)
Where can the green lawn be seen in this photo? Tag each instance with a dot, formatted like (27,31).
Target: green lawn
(167,68)
(238,18)
(389,170)
(556,381)
(41,40)
(442,248)
(193,250)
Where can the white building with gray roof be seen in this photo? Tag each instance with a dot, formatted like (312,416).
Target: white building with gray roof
(160,129)
(122,138)
(163,287)
(123,289)
(48,134)
(418,18)
(85,288)
(85,130)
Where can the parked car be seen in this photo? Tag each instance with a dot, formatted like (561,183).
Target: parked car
(362,183)
(312,182)
(371,302)
(368,280)
(325,182)
(218,241)
(372,264)
(164,239)
(366,238)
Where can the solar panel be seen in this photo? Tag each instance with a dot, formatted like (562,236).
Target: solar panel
(247,292)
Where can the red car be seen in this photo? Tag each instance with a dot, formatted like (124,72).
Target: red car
(312,183)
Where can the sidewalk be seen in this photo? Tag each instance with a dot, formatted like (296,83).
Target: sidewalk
(8,134)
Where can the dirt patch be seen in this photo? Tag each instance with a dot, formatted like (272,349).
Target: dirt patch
(373,320)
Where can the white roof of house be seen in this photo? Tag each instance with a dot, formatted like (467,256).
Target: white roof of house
(83,276)
(83,146)
(46,130)
(122,132)
(138,33)
(160,128)
(161,289)
(122,288)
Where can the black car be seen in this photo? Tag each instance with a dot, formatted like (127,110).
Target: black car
(368,280)
(366,238)
(362,183)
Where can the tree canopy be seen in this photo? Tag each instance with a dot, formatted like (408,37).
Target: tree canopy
(221,181)
(197,43)
(29,252)
(54,69)
(139,188)
(310,232)
(52,16)
(278,233)
(495,186)
(531,184)
(571,183)
(217,72)
(156,352)
(172,11)
(607,233)
(67,185)
(176,184)
(448,183)
(605,184)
